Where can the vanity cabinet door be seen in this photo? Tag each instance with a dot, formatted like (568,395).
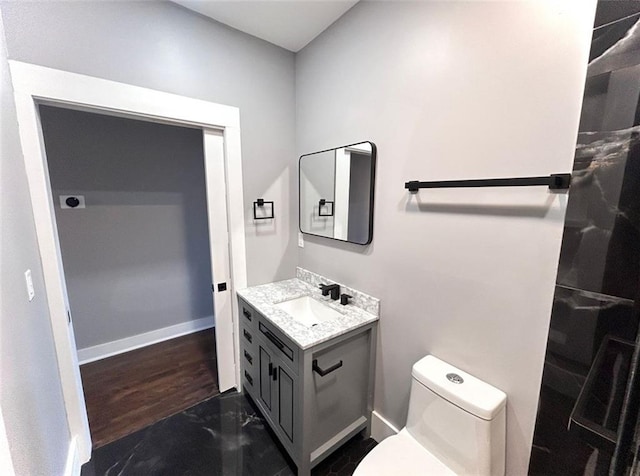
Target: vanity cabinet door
(266,378)
(286,385)
(277,391)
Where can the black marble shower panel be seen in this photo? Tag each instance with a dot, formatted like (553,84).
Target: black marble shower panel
(601,242)
(594,320)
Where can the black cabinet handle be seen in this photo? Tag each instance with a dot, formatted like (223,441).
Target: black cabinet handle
(246,313)
(247,356)
(284,348)
(275,374)
(248,377)
(270,369)
(323,372)
(273,339)
(247,335)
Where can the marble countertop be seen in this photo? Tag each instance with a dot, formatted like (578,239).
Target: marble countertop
(264,297)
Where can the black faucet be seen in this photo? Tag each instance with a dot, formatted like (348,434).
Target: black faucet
(334,289)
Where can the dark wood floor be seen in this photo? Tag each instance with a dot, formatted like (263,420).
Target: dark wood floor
(130,391)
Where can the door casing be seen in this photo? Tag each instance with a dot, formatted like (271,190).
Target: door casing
(34,85)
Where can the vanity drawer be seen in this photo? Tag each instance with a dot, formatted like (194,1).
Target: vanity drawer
(248,315)
(247,336)
(248,326)
(248,357)
(279,344)
(250,380)
(249,365)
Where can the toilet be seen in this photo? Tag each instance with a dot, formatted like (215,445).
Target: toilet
(456,426)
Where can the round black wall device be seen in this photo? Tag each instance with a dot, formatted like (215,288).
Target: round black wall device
(73,202)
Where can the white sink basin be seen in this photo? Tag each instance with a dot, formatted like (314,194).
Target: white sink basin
(307,311)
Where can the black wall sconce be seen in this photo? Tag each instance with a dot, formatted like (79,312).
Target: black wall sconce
(261,203)
(324,203)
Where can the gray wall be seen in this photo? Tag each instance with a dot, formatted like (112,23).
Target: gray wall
(156,45)
(445,90)
(317,181)
(162,46)
(137,258)
(453,90)
(30,393)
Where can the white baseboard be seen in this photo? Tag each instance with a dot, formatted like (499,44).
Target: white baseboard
(108,349)
(381,428)
(72,466)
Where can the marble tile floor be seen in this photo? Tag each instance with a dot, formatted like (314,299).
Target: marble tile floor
(225,435)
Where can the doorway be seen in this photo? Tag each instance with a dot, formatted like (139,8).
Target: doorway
(131,211)
(35,86)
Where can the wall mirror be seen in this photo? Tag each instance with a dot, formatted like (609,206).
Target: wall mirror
(336,193)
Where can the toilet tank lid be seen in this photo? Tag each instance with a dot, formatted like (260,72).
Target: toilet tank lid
(472,395)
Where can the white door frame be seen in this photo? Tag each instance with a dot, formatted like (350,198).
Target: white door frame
(35,85)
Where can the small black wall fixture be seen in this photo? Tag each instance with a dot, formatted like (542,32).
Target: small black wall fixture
(261,203)
(553,181)
(324,203)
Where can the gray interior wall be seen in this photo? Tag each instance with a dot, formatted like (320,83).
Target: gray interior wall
(446,90)
(162,46)
(317,181)
(137,258)
(453,90)
(30,393)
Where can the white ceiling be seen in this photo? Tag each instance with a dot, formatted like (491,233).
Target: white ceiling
(291,24)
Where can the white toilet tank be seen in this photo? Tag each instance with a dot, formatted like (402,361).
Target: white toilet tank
(457,418)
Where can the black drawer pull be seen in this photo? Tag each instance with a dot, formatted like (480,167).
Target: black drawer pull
(247,356)
(278,343)
(247,335)
(248,377)
(246,313)
(323,372)
(284,348)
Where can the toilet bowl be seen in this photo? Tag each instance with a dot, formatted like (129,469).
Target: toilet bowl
(456,426)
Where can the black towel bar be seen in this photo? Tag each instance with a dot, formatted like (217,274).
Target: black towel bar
(261,202)
(553,181)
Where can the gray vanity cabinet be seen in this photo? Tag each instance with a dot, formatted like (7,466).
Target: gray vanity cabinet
(314,399)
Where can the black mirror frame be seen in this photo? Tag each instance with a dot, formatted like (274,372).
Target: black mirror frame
(374,155)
